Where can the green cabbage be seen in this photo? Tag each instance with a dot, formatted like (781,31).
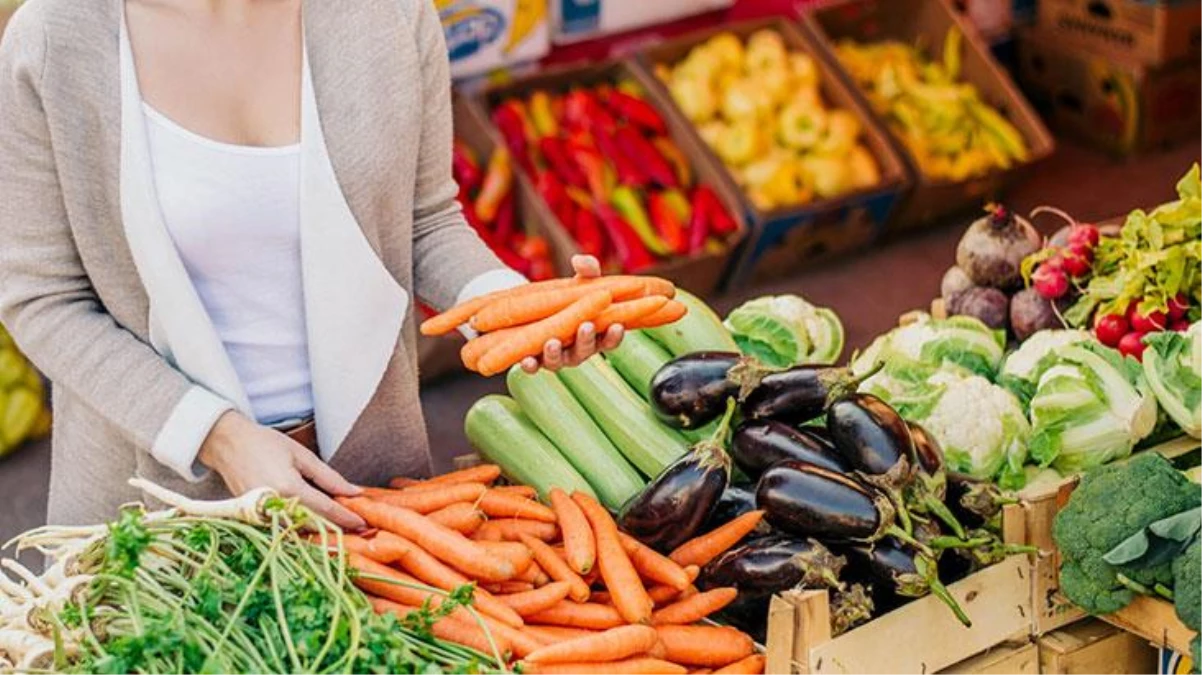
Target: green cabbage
(1020,370)
(960,341)
(785,330)
(1173,368)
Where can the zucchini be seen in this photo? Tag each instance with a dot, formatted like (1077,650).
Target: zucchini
(499,430)
(698,331)
(625,418)
(549,404)
(637,360)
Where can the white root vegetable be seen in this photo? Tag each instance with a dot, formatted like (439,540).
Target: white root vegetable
(26,651)
(14,590)
(32,582)
(247,508)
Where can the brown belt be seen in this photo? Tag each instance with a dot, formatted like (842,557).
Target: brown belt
(304,433)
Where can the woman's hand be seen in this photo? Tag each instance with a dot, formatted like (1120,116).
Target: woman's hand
(587,341)
(249,456)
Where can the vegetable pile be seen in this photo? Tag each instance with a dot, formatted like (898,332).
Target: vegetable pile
(759,106)
(603,161)
(23,411)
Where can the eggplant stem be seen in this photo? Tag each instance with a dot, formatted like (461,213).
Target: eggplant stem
(944,543)
(748,373)
(940,511)
(903,536)
(1133,585)
(940,591)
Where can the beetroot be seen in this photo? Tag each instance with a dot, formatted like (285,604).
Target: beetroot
(1030,312)
(989,305)
(991,252)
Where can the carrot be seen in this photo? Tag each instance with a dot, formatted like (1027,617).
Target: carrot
(552,634)
(696,607)
(382,547)
(502,505)
(611,645)
(701,550)
(629,312)
(671,312)
(403,482)
(535,601)
(663,594)
(579,615)
(476,348)
(524,491)
(510,529)
(529,339)
(447,628)
(710,646)
(752,665)
(440,541)
(622,581)
(427,501)
(580,548)
(462,313)
(463,517)
(635,666)
(534,575)
(700,671)
(525,309)
(513,551)
(601,598)
(557,568)
(481,473)
(652,566)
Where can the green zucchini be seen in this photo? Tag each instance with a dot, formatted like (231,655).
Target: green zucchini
(549,404)
(499,430)
(637,360)
(698,331)
(625,418)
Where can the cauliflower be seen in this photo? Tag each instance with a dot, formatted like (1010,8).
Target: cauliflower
(958,341)
(1024,363)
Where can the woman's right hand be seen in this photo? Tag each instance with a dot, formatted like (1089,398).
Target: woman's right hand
(249,456)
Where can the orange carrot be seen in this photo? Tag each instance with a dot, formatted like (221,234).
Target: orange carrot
(463,517)
(557,568)
(440,541)
(752,665)
(521,310)
(382,547)
(502,505)
(534,575)
(509,587)
(579,615)
(524,491)
(652,566)
(473,350)
(513,551)
(447,628)
(710,646)
(552,634)
(664,594)
(635,666)
(696,607)
(481,473)
(611,645)
(629,312)
(699,671)
(510,529)
(701,550)
(462,313)
(622,581)
(535,601)
(601,598)
(578,543)
(671,312)
(403,482)
(529,339)
(427,501)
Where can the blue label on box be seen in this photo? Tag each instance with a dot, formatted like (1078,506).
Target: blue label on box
(580,16)
(471,29)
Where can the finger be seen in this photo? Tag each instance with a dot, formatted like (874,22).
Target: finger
(322,475)
(330,509)
(612,338)
(585,346)
(553,355)
(530,365)
(586,266)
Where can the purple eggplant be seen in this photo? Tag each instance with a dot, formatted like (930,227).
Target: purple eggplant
(801,393)
(691,391)
(736,500)
(976,503)
(876,442)
(673,507)
(774,563)
(749,611)
(897,569)
(758,444)
(926,494)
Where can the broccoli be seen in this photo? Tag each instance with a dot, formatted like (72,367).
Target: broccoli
(1193,655)
(1187,585)
(1112,503)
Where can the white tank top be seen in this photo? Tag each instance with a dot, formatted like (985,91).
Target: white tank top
(233,212)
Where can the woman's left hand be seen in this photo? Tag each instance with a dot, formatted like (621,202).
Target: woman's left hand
(587,342)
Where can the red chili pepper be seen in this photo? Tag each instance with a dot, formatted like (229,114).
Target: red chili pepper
(640,150)
(600,183)
(667,222)
(534,250)
(671,152)
(506,223)
(636,111)
(554,150)
(629,173)
(721,222)
(509,123)
(550,188)
(464,167)
(699,222)
(587,232)
(633,256)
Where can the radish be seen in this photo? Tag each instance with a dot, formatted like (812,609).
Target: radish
(1084,234)
(1110,329)
(1050,281)
(1133,345)
(1147,322)
(1178,306)
(1078,260)
(1180,325)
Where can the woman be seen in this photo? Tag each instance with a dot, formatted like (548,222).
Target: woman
(215,214)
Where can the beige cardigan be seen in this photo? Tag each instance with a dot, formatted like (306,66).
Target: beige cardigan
(94,291)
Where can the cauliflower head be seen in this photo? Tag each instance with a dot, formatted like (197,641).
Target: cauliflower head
(959,341)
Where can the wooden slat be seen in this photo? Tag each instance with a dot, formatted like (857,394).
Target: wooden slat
(1093,646)
(1156,621)
(1007,659)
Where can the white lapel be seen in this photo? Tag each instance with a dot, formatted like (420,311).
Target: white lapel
(354,306)
(180,329)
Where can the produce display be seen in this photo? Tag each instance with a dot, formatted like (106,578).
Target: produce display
(24,414)
(759,106)
(950,133)
(602,160)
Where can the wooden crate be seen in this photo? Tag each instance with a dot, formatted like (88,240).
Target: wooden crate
(1020,658)
(1154,620)
(1093,646)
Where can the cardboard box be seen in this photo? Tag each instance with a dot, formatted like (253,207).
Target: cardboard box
(1020,658)
(699,274)
(1152,33)
(927,22)
(484,35)
(1117,104)
(576,20)
(784,238)
(1093,646)
(1169,662)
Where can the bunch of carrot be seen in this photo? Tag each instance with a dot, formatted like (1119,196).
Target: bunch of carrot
(518,322)
(557,587)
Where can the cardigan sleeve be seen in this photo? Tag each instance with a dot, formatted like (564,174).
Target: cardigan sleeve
(47,300)
(450,261)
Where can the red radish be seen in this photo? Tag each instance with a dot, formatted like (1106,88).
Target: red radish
(1085,235)
(1178,306)
(1180,325)
(1147,322)
(1077,260)
(1110,329)
(1133,345)
(1050,282)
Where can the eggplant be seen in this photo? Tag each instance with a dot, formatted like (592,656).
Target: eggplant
(925,495)
(673,507)
(976,503)
(875,441)
(774,563)
(850,608)
(801,393)
(691,391)
(736,500)
(895,568)
(758,444)
(749,613)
